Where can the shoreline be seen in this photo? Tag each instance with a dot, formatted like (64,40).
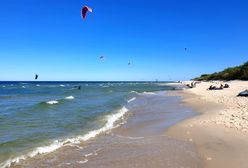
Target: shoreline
(190,140)
(138,143)
(141,141)
(219,132)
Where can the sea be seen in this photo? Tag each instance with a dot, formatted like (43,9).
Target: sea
(38,118)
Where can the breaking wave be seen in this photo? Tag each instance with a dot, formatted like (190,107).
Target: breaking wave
(134,92)
(111,122)
(69,97)
(52,102)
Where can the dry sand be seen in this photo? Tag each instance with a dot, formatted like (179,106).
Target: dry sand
(221,131)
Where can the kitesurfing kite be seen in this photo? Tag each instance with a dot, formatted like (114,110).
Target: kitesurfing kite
(36,76)
(129,63)
(185,49)
(101,57)
(84,11)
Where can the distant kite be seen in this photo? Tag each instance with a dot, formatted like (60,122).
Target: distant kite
(185,49)
(36,76)
(101,57)
(129,63)
(84,11)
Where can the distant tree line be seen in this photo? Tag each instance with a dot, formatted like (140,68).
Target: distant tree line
(233,73)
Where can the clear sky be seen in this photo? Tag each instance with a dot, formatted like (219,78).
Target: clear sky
(48,37)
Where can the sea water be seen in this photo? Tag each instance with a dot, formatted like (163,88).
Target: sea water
(41,117)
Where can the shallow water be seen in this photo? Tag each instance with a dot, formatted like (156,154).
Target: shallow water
(41,117)
(140,142)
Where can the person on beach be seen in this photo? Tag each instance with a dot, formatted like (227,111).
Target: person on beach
(226,85)
(192,84)
(211,87)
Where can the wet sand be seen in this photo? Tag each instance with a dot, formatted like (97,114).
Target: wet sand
(140,142)
(219,133)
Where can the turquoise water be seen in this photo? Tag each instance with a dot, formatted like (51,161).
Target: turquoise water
(40,117)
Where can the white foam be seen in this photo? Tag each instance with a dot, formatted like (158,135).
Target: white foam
(39,150)
(110,124)
(132,99)
(129,137)
(76,146)
(111,119)
(62,85)
(46,149)
(69,98)
(89,154)
(37,85)
(134,92)
(61,165)
(82,162)
(4,86)
(149,93)
(52,102)
(23,87)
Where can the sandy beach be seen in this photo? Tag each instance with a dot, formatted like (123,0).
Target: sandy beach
(220,132)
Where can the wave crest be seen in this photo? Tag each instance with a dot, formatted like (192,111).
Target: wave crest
(52,102)
(133,91)
(69,97)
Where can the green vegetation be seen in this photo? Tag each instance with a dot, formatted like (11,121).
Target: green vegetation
(234,73)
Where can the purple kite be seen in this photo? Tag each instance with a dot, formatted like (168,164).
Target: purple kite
(84,11)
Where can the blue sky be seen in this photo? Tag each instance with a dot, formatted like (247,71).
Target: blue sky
(48,37)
